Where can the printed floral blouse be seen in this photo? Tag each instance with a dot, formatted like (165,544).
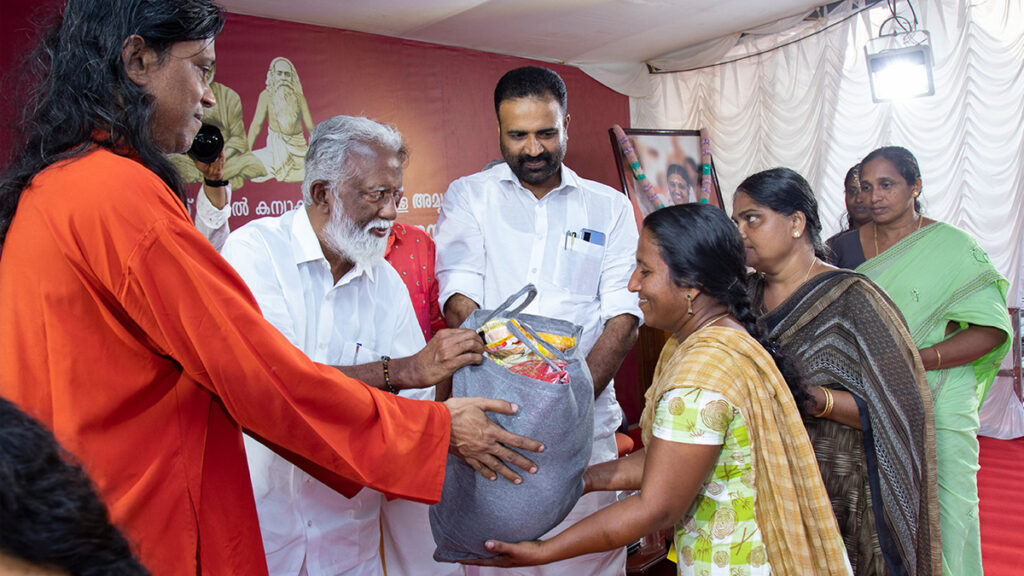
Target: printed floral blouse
(719,534)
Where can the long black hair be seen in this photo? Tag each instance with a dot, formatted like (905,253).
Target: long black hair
(703,249)
(785,191)
(78,86)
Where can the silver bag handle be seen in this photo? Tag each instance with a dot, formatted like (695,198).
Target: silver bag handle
(529,290)
(536,338)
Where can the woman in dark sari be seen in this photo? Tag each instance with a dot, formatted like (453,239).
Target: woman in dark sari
(871,424)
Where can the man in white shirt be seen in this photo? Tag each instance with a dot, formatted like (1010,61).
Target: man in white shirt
(319,275)
(533,220)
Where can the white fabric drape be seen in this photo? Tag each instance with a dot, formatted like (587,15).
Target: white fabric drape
(1001,416)
(808,106)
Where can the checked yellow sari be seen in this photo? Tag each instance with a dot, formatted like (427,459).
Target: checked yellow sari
(792,510)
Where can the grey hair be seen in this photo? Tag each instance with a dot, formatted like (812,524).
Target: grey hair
(331,144)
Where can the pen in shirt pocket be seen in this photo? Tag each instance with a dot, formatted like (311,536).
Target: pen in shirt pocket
(355,355)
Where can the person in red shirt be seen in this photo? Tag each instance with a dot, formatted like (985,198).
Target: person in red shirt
(411,253)
(125,333)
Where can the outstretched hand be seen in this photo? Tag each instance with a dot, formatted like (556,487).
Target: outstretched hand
(530,553)
(449,350)
(483,444)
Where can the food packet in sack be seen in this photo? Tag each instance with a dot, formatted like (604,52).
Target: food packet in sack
(560,415)
(551,371)
(506,343)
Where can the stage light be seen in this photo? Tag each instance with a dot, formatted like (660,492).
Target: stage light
(900,66)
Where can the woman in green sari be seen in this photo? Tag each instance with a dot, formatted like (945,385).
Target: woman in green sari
(954,302)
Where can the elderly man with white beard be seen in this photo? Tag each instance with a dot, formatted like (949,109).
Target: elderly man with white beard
(319,275)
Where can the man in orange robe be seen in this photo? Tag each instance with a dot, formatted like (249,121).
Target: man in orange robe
(123,330)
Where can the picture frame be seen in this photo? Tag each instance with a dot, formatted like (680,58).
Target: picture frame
(671,161)
(655,151)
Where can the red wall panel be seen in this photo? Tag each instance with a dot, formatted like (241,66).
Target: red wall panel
(440,98)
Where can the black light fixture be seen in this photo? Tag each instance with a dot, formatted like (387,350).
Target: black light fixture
(900,62)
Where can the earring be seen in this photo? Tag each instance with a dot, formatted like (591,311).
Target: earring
(796,234)
(689,305)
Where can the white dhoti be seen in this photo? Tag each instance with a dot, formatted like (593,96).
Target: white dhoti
(284,157)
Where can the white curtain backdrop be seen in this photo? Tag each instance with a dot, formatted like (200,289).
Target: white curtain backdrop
(808,106)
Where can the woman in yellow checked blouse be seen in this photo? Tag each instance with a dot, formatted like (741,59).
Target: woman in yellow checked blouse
(727,460)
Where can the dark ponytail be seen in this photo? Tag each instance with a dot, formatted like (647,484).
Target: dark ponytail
(702,249)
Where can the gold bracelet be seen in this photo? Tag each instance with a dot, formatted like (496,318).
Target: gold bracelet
(938,357)
(829,403)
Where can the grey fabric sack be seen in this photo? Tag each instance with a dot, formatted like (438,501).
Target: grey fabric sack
(561,416)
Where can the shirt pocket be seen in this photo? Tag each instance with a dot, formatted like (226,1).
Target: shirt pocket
(578,267)
(354,353)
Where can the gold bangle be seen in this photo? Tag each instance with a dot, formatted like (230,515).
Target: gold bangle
(829,403)
(938,357)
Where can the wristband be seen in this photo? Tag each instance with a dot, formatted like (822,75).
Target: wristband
(215,183)
(387,375)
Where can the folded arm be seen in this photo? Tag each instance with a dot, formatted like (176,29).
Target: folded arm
(963,347)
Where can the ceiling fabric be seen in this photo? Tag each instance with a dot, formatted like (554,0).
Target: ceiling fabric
(808,106)
(756,39)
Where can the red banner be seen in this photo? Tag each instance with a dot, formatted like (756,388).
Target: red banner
(275,79)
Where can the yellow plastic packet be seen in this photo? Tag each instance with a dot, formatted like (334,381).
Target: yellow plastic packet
(503,346)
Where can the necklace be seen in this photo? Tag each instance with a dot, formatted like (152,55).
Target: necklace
(809,268)
(709,322)
(874,231)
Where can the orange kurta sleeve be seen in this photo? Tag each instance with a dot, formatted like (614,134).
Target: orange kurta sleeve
(124,330)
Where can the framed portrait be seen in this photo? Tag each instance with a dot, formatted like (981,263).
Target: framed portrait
(664,167)
(672,166)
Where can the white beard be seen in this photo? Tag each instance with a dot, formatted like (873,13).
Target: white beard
(343,237)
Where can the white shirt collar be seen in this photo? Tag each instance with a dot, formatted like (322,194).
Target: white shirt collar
(569,178)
